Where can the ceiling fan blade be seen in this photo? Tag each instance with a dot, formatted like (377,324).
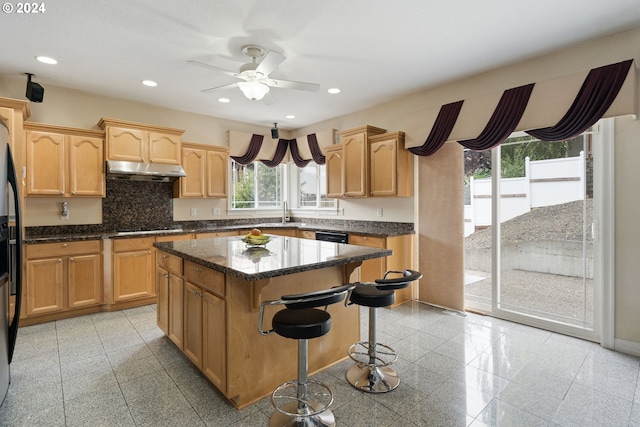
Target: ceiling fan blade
(229,86)
(290,84)
(270,62)
(214,68)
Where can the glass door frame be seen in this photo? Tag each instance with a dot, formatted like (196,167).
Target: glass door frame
(603,242)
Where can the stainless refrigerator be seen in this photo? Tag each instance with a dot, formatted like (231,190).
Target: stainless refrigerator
(10,259)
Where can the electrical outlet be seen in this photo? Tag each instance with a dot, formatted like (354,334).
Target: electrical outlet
(193,211)
(379,211)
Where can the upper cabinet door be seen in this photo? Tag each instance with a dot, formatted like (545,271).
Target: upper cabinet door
(86,166)
(217,170)
(333,156)
(193,162)
(129,145)
(45,163)
(164,148)
(355,166)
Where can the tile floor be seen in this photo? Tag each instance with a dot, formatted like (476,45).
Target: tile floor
(117,369)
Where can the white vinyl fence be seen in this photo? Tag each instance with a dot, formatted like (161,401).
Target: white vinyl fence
(546,183)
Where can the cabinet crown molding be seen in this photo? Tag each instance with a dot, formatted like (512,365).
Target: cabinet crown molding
(42,127)
(105,122)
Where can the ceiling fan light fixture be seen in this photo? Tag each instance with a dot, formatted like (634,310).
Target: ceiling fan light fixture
(255,91)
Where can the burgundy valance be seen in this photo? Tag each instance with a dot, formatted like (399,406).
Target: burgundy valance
(598,91)
(316,153)
(252,151)
(440,131)
(256,143)
(281,151)
(504,119)
(606,91)
(295,154)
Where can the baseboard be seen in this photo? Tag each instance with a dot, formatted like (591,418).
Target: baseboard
(628,347)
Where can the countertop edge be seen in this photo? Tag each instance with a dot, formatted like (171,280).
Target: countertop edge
(304,227)
(165,246)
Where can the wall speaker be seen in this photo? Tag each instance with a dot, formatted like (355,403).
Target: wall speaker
(35,92)
(275,134)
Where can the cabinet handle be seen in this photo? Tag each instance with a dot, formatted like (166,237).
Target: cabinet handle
(70,259)
(198,270)
(148,252)
(165,256)
(64,245)
(73,192)
(61,192)
(167,275)
(59,260)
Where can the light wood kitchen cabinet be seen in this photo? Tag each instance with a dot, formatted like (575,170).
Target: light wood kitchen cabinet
(193,339)
(63,276)
(176,310)
(391,166)
(213,234)
(136,142)
(355,165)
(168,271)
(133,266)
(64,162)
(348,163)
(162,306)
(205,321)
(288,232)
(206,167)
(194,163)
(306,234)
(401,259)
(333,162)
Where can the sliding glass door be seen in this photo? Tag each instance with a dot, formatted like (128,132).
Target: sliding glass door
(529,252)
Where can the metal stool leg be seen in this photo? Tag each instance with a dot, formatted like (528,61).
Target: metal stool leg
(302,409)
(371,372)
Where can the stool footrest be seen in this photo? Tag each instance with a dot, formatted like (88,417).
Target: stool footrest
(285,398)
(377,356)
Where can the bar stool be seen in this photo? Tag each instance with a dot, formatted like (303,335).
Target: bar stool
(303,402)
(372,373)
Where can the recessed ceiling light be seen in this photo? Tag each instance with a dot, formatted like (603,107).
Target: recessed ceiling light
(46,60)
(224,100)
(149,83)
(290,116)
(334,90)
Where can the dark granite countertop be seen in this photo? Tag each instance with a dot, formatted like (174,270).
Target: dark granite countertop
(281,256)
(53,235)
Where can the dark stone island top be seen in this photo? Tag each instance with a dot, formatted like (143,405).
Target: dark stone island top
(281,256)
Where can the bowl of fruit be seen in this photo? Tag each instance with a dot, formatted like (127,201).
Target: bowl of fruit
(256,238)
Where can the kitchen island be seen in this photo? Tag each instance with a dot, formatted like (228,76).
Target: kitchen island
(209,295)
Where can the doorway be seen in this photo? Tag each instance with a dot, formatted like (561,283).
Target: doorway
(529,253)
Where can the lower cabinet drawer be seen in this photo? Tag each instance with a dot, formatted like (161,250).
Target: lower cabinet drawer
(207,278)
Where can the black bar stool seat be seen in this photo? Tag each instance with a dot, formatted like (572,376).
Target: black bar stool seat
(303,402)
(372,373)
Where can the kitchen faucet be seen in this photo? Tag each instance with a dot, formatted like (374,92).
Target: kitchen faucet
(284,212)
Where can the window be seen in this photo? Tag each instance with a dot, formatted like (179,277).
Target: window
(256,186)
(312,187)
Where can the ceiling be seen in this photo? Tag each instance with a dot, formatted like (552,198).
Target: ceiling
(373,50)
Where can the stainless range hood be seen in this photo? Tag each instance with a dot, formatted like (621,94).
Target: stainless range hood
(135,171)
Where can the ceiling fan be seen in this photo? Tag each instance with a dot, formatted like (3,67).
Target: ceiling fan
(255,82)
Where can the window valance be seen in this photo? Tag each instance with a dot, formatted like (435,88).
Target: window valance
(571,104)
(246,148)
